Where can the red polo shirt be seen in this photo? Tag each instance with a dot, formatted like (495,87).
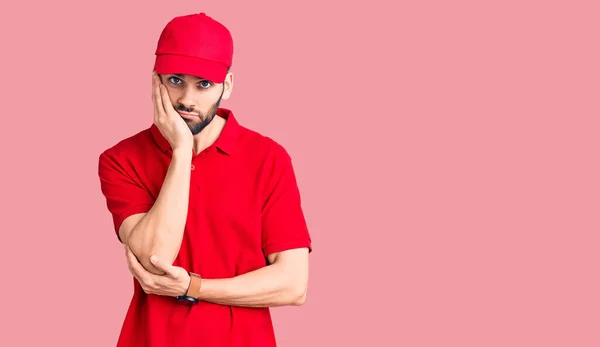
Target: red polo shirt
(244,204)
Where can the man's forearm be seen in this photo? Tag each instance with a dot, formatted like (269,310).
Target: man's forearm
(268,286)
(161,230)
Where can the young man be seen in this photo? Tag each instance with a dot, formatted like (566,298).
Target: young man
(208,210)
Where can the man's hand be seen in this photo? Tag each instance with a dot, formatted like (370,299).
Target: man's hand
(169,122)
(174,282)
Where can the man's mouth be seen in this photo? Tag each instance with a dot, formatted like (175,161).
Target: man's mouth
(187,115)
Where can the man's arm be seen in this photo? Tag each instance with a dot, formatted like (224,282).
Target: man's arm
(160,231)
(285,240)
(283,282)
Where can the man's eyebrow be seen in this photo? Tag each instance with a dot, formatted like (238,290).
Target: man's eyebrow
(198,78)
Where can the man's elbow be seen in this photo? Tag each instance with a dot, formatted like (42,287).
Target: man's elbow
(300,300)
(299,295)
(143,255)
(143,249)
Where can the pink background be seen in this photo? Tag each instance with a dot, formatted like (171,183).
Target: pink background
(447,153)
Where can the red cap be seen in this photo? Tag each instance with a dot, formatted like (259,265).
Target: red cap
(195,45)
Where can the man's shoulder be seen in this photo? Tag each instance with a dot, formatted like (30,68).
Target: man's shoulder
(262,144)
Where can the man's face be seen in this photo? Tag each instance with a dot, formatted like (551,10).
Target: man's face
(196,99)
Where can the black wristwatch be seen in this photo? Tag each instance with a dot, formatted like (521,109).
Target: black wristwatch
(190,298)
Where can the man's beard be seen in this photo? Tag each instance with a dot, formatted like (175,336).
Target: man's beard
(205,118)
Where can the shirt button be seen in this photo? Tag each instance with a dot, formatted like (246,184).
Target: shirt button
(193,167)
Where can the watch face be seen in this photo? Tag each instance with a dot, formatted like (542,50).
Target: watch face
(187,300)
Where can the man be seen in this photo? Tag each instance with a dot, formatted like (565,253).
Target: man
(208,210)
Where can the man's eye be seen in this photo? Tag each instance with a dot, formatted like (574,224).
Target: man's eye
(174,80)
(205,84)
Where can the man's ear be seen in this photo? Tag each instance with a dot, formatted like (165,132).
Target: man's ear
(227,86)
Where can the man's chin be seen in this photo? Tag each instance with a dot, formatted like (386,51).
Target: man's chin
(197,126)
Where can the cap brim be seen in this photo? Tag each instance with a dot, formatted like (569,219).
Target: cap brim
(180,64)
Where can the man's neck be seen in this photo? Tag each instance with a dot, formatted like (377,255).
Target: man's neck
(209,134)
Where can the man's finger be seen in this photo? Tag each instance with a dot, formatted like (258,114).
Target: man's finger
(145,279)
(131,266)
(138,270)
(156,97)
(166,101)
(161,265)
(153,84)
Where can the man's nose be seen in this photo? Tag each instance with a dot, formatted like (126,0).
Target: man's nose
(185,99)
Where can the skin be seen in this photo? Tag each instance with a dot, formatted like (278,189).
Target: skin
(152,239)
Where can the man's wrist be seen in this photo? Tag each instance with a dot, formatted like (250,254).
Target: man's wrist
(186,284)
(192,291)
(184,150)
(195,285)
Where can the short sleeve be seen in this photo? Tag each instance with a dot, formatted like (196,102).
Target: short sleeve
(124,196)
(283,222)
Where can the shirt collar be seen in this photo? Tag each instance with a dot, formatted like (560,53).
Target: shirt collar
(225,142)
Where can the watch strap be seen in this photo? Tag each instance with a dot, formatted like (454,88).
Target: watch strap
(195,284)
